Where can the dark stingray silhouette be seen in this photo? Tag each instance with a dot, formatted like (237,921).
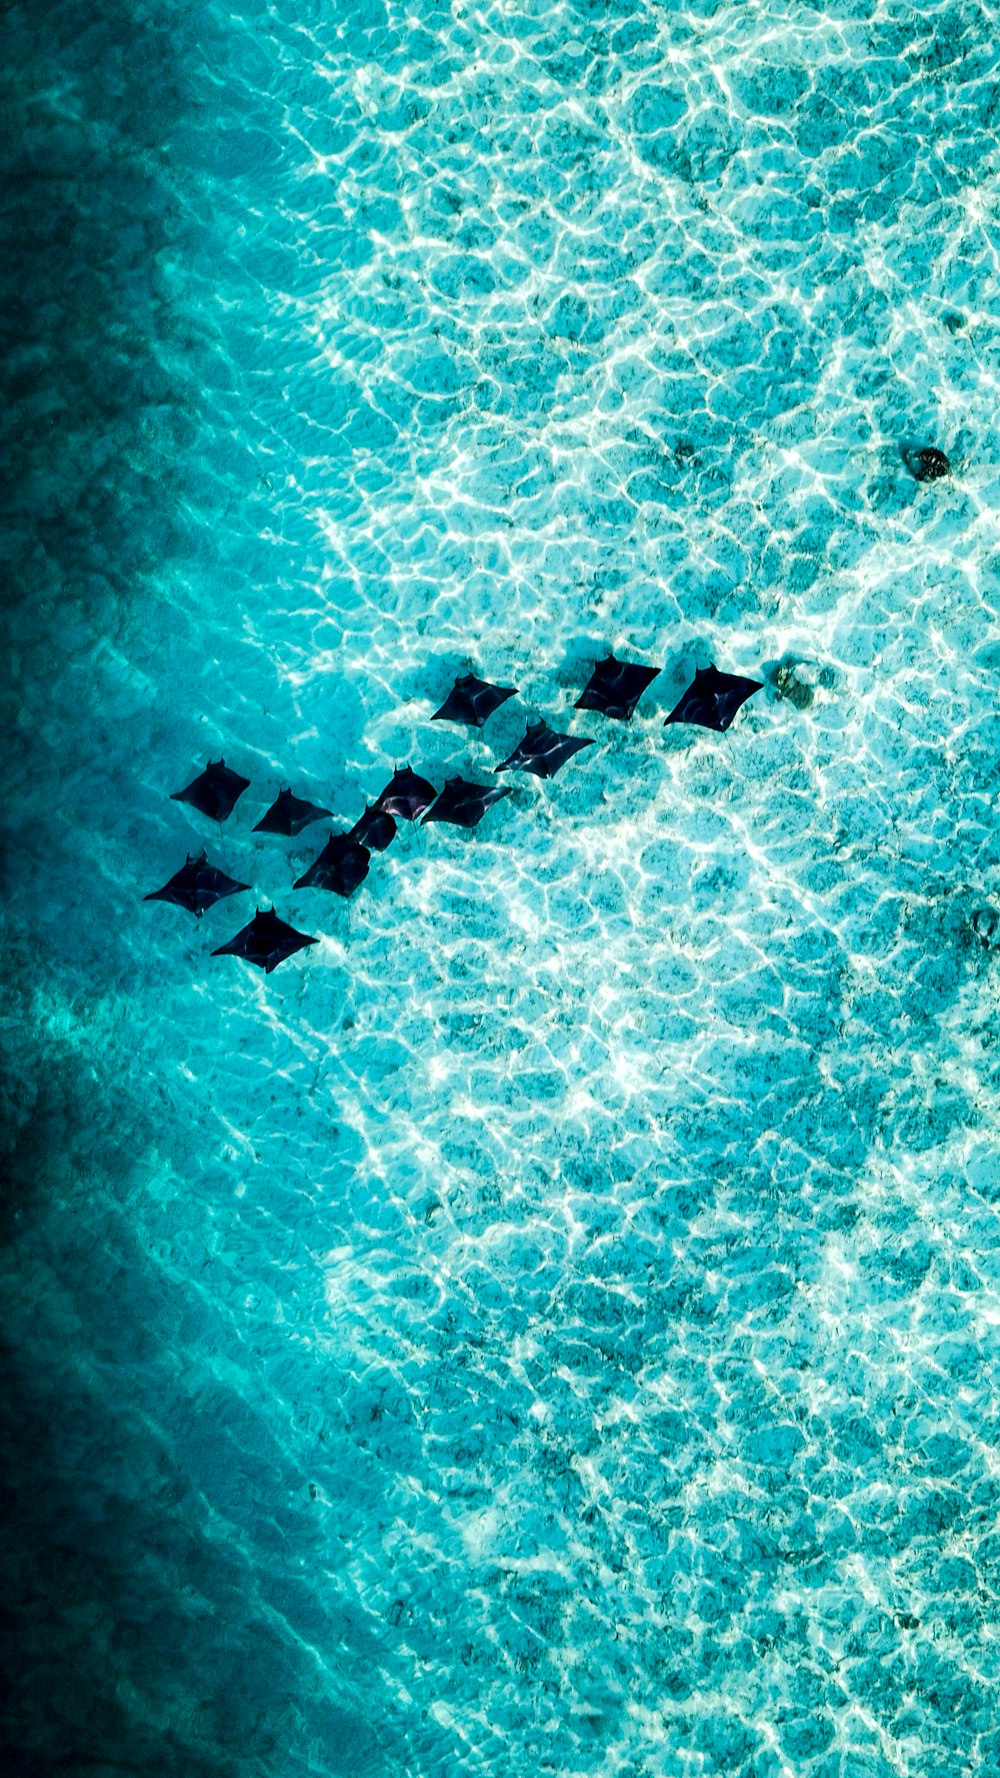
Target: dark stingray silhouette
(407,796)
(215,792)
(926,463)
(463,803)
(376,830)
(542,751)
(341,866)
(289,815)
(472,700)
(197,886)
(616,687)
(713,699)
(267,941)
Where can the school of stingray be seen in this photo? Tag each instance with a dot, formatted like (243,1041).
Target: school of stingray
(712,701)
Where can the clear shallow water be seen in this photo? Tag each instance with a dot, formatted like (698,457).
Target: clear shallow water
(553,1325)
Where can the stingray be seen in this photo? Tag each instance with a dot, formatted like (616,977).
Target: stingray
(267,941)
(463,803)
(542,751)
(341,866)
(197,886)
(926,464)
(215,792)
(407,796)
(616,687)
(289,815)
(713,699)
(472,700)
(376,830)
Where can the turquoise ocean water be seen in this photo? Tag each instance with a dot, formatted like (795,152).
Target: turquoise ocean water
(551,1325)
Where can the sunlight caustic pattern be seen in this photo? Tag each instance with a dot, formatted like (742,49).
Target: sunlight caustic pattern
(566,1299)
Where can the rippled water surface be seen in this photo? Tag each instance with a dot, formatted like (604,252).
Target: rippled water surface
(551,1324)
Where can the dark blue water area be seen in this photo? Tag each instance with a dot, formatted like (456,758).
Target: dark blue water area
(550,1324)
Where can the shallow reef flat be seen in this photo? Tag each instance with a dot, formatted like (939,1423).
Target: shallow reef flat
(550,1323)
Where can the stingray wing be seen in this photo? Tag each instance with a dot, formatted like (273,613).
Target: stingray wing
(342,867)
(279,816)
(214,885)
(526,751)
(713,698)
(197,886)
(615,687)
(265,942)
(460,704)
(302,814)
(407,796)
(562,749)
(177,894)
(376,830)
(543,752)
(463,804)
(472,701)
(734,695)
(289,814)
(215,792)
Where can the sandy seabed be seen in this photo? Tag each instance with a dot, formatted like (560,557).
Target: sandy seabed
(550,1325)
